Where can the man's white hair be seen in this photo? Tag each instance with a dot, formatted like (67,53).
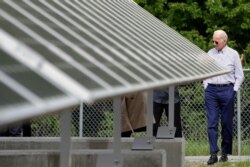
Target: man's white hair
(222,34)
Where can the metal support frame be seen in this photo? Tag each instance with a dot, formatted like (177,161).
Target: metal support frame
(169,132)
(239,123)
(146,142)
(65,144)
(115,159)
(81,120)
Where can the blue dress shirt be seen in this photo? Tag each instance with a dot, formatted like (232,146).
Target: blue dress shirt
(162,96)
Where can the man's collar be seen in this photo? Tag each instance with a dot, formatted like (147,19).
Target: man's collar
(223,49)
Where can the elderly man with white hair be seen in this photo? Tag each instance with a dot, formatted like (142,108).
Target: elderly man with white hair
(219,96)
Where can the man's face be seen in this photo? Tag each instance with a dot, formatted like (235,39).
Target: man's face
(218,42)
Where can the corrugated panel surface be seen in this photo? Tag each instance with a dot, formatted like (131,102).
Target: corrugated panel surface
(94,49)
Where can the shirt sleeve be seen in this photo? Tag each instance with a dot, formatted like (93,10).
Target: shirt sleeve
(205,84)
(239,74)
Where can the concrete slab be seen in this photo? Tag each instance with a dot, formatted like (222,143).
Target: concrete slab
(175,148)
(80,158)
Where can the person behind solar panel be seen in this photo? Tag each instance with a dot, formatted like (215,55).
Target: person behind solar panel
(27,128)
(11,131)
(161,104)
(219,96)
(17,130)
(134,108)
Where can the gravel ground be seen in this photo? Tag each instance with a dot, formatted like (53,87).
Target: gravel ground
(193,164)
(197,161)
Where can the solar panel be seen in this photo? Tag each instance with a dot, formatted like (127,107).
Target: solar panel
(108,47)
(94,49)
(24,90)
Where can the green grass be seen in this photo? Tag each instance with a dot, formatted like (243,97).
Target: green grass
(200,148)
(196,148)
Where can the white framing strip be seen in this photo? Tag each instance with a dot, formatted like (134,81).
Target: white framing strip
(20,89)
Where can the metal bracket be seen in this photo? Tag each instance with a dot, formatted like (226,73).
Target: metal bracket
(109,160)
(143,143)
(166,132)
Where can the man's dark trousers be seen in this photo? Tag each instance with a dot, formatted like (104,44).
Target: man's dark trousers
(158,110)
(219,101)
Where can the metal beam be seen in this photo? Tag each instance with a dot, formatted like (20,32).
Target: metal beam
(65,147)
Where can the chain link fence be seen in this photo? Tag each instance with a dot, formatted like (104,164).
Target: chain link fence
(96,120)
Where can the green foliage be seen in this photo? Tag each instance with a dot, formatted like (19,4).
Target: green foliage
(246,52)
(197,39)
(155,7)
(192,107)
(187,14)
(107,125)
(46,126)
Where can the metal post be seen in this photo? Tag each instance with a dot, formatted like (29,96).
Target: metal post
(150,114)
(171,107)
(117,128)
(65,145)
(81,120)
(239,122)
(115,159)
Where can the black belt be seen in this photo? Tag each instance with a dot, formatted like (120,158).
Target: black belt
(220,85)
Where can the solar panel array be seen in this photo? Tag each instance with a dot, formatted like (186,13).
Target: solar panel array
(90,49)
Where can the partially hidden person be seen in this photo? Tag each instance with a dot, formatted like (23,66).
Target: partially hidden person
(161,105)
(134,109)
